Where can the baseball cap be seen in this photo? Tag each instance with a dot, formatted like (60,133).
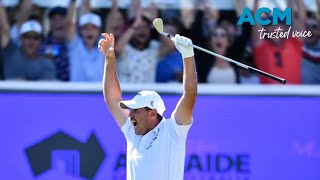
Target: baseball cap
(90,18)
(149,99)
(58,10)
(30,26)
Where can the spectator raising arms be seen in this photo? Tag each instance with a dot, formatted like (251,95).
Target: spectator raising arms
(138,53)
(281,57)
(2,28)
(198,24)
(24,62)
(115,20)
(1,58)
(85,59)
(24,12)
(310,69)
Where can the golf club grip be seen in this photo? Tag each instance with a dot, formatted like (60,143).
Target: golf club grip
(281,80)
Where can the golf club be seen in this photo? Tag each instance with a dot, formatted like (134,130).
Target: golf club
(158,24)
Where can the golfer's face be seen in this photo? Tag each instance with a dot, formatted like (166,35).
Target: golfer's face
(139,119)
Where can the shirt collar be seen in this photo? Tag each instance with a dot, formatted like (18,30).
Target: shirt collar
(156,130)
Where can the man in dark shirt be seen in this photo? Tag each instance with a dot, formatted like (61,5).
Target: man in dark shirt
(55,45)
(25,62)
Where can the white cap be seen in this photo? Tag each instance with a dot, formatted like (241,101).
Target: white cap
(31,26)
(90,18)
(149,99)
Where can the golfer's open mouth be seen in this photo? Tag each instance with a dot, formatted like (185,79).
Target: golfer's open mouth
(134,122)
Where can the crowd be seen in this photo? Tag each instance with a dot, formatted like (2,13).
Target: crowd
(65,48)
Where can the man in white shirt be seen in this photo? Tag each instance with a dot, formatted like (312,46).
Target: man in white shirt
(155,146)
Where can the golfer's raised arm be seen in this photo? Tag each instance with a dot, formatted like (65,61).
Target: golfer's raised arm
(111,87)
(184,108)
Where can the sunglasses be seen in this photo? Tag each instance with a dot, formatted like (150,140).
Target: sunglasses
(31,37)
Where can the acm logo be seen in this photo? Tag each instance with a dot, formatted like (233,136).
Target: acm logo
(80,159)
(283,16)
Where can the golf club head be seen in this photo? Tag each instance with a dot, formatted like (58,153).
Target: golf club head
(158,24)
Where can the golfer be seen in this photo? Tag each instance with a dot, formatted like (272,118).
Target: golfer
(155,146)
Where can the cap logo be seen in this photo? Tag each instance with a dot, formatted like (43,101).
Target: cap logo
(151,103)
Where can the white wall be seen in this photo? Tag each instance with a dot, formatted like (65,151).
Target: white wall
(173,88)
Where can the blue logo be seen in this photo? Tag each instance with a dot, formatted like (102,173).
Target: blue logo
(285,16)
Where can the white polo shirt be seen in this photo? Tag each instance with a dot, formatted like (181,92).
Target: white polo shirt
(158,155)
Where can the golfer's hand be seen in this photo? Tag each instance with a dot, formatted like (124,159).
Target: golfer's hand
(183,45)
(106,46)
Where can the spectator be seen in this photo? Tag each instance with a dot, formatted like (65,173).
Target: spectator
(138,53)
(86,60)
(281,57)
(310,68)
(170,67)
(1,61)
(25,62)
(198,24)
(221,72)
(239,37)
(2,28)
(55,45)
(115,21)
(25,9)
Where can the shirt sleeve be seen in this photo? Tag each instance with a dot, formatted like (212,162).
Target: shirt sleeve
(125,128)
(179,132)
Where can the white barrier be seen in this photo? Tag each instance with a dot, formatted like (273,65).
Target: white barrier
(172,88)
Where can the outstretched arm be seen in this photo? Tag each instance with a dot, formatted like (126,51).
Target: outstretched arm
(239,6)
(183,111)
(112,19)
(111,87)
(4,26)
(318,10)
(85,7)
(126,37)
(299,15)
(71,20)
(24,12)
